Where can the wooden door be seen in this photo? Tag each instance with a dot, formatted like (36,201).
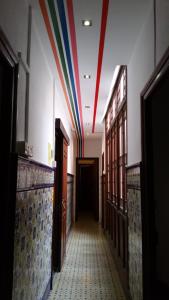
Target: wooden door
(60,198)
(103,200)
(116,161)
(64,202)
(155,182)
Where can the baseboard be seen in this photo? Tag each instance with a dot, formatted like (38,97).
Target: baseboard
(47,291)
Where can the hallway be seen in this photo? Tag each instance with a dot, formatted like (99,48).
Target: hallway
(89,271)
(84,121)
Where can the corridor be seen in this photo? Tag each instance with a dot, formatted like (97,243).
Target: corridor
(89,272)
(84,121)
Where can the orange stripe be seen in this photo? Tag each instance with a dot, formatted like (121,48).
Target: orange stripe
(48,27)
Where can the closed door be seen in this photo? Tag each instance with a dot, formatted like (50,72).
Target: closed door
(64,202)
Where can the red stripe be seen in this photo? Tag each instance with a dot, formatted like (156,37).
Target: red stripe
(50,34)
(75,60)
(100,56)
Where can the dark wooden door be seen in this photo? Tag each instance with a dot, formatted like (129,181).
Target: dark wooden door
(60,198)
(155,204)
(103,200)
(64,202)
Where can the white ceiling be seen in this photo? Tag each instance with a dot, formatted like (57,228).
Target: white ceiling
(125,19)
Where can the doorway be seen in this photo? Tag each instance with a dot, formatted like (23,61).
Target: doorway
(8,105)
(155,206)
(60,197)
(87,187)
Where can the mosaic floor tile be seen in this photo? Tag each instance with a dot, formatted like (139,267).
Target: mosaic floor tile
(89,271)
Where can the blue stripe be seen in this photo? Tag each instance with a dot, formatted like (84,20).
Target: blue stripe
(62,16)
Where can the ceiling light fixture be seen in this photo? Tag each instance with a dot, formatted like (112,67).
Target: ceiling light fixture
(86,76)
(87,23)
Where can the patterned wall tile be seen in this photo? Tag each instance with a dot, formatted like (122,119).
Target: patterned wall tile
(30,174)
(135,233)
(33,238)
(133,177)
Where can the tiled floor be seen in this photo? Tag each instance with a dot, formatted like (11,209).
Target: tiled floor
(89,272)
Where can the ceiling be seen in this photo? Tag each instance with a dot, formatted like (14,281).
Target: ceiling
(94,50)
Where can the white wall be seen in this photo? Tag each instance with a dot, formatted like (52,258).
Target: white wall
(14,22)
(40,101)
(93,148)
(60,113)
(140,69)
(46,99)
(162,27)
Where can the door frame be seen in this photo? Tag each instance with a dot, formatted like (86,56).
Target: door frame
(8,169)
(61,137)
(147,185)
(13,61)
(96,159)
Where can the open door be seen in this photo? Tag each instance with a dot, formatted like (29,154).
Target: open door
(87,186)
(60,199)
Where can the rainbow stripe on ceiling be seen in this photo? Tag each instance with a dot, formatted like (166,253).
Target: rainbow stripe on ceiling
(64,62)
(65,54)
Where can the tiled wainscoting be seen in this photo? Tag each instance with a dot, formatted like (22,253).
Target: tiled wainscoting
(70,196)
(33,230)
(135,232)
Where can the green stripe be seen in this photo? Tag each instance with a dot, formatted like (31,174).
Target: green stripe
(62,57)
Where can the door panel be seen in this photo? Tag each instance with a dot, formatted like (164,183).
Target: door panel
(60,199)
(155,181)
(64,202)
